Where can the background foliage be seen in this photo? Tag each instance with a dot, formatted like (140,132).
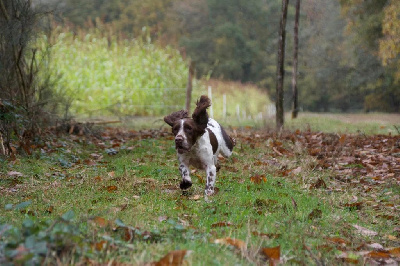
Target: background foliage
(348,48)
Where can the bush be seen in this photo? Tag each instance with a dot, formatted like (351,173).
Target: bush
(26,94)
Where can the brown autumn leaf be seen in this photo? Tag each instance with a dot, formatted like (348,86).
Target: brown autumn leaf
(162,218)
(196,197)
(89,162)
(273,253)
(314,151)
(285,172)
(349,260)
(15,173)
(268,235)
(21,251)
(111,188)
(337,240)
(200,178)
(294,203)
(237,243)
(100,245)
(128,234)
(316,213)
(378,254)
(364,231)
(320,183)
(221,224)
(257,179)
(100,221)
(342,139)
(354,205)
(395,252)
(50,209)
(387,217)
(173,258)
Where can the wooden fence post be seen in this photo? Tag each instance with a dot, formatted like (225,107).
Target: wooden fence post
(210,96)
(224,106)
(189,86)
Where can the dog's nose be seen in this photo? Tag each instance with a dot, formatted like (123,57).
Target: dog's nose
(179,139)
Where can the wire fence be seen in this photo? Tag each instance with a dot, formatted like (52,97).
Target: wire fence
(156,103)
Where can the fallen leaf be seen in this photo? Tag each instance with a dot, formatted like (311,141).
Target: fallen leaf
(50,209)
(364,231)
(337,240)
(237,243)
(342,139)
(269,235)
(111,188)
(272,253)
(391,237)
(14,173)
(111,174)
(128,234)
(375,246)
(162,218)
(89,162)
(316,213)
(395,252)
(100,245)
(320,183)
(221,224)
(196,197)
(21,251)
(173,258)
(354,205)
(294,203)
(100,221)
(257,179)
(378,254)
(297,170)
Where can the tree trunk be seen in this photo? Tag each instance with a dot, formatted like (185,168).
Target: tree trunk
(280,67)
(189,86)
(295,109)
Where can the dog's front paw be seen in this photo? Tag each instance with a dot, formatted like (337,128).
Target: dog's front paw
(209,192)
(185,184)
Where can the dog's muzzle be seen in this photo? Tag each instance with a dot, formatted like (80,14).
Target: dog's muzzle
(180,144)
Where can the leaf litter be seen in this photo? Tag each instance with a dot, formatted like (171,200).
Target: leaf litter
(363,164)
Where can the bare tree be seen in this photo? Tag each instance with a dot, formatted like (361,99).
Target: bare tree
(280,66)
(295,109)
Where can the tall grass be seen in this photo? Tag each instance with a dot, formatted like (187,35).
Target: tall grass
(104,74)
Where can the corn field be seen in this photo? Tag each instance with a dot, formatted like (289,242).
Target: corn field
(101,73)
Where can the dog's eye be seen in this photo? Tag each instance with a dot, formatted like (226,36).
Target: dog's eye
(188,128)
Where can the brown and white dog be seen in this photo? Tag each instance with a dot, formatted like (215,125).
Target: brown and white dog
(198,141)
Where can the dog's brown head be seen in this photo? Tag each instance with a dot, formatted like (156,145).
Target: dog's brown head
(187,130)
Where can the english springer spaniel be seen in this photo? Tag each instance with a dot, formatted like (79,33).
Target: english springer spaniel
(198,141)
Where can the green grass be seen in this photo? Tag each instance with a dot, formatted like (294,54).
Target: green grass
(104,75)
(139,186)
(373,123)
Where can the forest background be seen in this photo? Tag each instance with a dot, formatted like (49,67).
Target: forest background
(348,54)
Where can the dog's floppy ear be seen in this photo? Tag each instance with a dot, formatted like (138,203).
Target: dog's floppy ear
(200,115)
(170,119)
